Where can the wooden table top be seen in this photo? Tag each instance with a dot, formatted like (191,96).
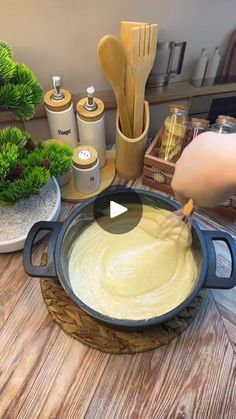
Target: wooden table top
(46,374)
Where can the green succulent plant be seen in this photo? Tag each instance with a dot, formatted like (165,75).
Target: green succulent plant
(51,152)
(19,88)
(31,184)
(13,135)
(8,157)
(25,167)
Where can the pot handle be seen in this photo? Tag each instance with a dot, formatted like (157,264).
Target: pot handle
(47,270)
(213,281)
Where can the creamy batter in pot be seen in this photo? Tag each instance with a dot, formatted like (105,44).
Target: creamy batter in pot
(137,275)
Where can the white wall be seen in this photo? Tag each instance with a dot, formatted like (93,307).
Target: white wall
(61,36)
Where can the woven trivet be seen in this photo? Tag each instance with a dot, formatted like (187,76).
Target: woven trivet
(80,326)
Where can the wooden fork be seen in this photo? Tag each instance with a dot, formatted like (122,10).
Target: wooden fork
(143,52)
(126,42)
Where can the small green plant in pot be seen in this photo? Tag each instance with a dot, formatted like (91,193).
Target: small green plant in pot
(26,166)
(20,91)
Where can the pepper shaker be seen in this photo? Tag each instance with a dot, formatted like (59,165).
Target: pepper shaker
(60,113)
(91,123)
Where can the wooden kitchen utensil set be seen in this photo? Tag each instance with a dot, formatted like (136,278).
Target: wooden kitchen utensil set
(126,63)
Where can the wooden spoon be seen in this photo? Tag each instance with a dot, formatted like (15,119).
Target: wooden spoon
(111,58)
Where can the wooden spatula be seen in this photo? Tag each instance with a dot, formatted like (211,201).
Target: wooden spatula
(144,42)
(111,58)
(126,43)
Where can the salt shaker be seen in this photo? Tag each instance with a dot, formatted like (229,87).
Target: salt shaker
(60,114)
(85,169)
(91,123)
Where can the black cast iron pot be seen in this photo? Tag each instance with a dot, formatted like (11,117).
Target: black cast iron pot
(64,234)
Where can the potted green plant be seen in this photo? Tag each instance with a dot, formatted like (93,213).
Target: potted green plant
(20,91)
(28,189)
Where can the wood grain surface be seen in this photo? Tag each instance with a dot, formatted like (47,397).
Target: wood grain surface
(76,323)
(44,373)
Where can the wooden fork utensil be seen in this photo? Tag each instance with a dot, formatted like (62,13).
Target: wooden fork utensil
(126,43)
(143,52)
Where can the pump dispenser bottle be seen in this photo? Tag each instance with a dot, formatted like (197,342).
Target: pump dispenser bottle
(91,124)
(60,114)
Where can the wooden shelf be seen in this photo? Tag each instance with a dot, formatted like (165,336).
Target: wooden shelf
(184,89)
(173,91)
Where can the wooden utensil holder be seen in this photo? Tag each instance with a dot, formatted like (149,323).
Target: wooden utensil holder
(158,173)
(130,151)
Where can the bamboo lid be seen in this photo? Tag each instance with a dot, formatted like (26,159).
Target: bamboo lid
(177,108)
(90,115)
(225,119)
(57,105)
(199,122)
(84,156)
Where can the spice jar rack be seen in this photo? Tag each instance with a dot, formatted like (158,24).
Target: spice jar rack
(158,173)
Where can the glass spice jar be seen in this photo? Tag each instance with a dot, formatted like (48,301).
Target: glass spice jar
(174,130)
(224,125)
(196,127)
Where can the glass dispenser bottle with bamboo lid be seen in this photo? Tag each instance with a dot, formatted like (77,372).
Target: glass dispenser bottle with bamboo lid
(174,130)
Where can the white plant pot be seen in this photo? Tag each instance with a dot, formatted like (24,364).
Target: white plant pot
(12,245)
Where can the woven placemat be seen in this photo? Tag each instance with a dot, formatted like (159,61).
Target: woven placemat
(79,325)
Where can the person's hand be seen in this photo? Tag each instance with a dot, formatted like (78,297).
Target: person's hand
(206,171)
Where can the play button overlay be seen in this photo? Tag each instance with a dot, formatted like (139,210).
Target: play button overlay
(118,210)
